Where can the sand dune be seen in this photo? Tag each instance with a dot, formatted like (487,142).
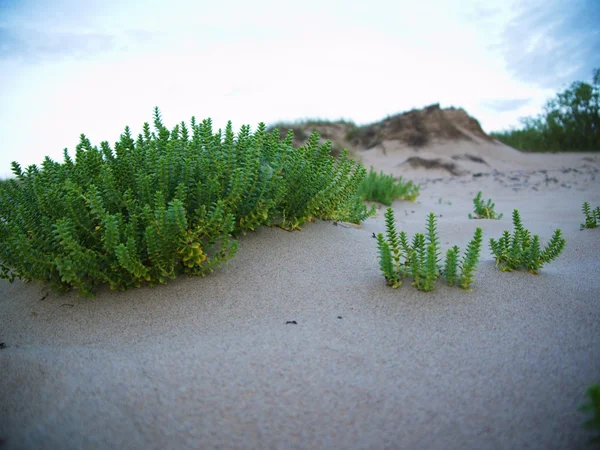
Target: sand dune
(464,157)
(298,342)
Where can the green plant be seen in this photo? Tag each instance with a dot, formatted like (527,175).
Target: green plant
(384,189)
(484,210)
(521,250)
(592,217)
(468,264)
(592,407)
(355,211)
(170,202)
(421,258)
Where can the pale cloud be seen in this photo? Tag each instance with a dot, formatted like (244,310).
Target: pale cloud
(505,104)
(32,45)
(551,43)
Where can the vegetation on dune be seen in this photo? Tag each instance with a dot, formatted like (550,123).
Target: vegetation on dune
(168,202)
(382,188)
(421,258)
(592,216)
(483,209)
(570,122)
(522,250)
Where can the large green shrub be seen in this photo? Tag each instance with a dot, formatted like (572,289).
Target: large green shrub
(167,203)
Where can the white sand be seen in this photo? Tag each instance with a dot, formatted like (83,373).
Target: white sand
(211,363)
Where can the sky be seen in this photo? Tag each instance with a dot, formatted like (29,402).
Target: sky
(94,66)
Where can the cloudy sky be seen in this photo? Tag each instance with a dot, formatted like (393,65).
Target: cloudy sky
(93,66)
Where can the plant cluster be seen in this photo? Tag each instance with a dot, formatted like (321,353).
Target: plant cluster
(592,216)
(168,202)
(385,189)
(522,250)
(592,408)
(421,258)
(483,209)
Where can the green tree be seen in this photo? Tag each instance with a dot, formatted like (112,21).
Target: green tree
(570,122)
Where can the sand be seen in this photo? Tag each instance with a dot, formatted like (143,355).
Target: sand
(213,362)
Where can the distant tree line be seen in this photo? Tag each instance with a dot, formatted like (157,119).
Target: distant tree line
(570,122)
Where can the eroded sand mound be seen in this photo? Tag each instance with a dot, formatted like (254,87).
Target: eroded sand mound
(428,143)
(416,128)
(420,127)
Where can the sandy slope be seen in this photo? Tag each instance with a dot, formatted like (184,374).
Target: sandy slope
(211,362)
(464,157)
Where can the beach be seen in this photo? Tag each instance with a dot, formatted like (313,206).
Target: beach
(299,343)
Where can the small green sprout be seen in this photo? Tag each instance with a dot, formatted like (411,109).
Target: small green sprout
(451,265)
(470,260)
(484,210)
(592,217)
